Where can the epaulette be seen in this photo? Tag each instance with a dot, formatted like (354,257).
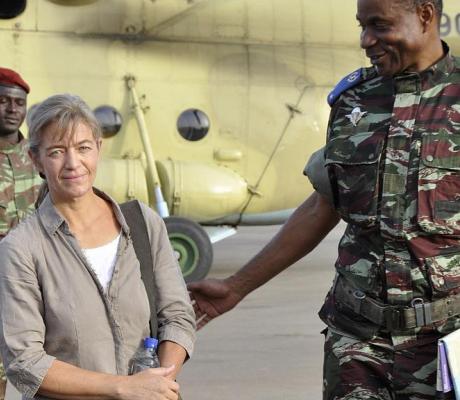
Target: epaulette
(350,81)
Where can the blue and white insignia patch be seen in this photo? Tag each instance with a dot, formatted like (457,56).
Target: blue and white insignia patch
(353,76)
(346,83)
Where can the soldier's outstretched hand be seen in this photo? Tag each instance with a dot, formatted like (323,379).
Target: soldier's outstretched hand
(211,298)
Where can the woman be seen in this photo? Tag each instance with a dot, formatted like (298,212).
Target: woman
(73,307)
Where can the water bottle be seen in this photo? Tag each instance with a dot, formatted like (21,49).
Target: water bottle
(146,357)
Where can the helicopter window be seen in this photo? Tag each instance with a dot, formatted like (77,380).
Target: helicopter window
(11,9)
(193,124)
(109,119)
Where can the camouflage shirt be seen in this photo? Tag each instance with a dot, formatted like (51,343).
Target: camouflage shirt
(19,184)
(393,156)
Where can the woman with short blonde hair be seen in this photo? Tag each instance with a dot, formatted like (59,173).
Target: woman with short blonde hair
(73,307)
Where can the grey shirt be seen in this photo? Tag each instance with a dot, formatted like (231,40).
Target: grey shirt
(52,305)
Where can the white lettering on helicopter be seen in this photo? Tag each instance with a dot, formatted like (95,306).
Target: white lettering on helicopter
(450,24)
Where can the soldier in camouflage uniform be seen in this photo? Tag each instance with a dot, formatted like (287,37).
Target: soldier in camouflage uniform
(19,181)
(393,174)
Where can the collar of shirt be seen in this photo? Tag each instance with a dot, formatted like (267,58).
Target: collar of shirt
(53,221)
(8,148)
(410,82)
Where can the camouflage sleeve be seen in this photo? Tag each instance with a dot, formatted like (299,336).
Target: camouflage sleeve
(316,172)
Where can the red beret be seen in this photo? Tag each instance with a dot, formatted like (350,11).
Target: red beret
(9,77)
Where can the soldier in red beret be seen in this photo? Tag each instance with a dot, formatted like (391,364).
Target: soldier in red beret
(19,181)
(11,78)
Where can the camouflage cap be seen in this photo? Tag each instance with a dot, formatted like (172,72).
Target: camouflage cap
(12,78)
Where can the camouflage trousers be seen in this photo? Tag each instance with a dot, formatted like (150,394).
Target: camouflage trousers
(358,370)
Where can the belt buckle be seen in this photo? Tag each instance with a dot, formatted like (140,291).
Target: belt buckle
(393,318)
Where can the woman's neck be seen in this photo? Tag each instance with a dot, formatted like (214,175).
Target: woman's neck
(91,220)
(81,211)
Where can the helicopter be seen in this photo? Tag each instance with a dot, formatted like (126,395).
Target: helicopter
(209,109)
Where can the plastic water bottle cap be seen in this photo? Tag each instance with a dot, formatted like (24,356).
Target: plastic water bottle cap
(150,342)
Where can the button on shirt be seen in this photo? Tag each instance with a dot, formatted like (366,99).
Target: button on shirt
(53,306)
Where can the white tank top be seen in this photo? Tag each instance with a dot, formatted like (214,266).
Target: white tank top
(102,260)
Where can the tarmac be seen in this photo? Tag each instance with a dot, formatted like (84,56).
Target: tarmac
(270,346)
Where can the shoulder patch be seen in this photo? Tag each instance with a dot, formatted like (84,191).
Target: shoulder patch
(346,83)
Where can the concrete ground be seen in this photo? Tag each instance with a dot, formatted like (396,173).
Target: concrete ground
(270,346)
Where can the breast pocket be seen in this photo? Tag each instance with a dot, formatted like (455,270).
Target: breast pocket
(354,163)
(439,184)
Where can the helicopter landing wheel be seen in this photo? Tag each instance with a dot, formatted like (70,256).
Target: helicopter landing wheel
(191,246)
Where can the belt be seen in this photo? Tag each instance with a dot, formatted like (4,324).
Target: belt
(419,313)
